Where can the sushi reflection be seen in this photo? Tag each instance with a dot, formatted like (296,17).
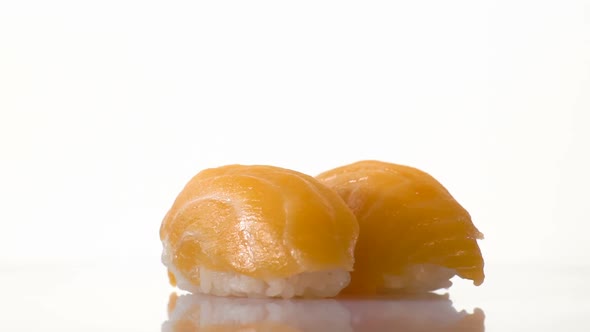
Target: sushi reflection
(210,313)
(426,313)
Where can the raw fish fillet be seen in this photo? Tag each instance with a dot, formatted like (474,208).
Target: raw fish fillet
(414,236)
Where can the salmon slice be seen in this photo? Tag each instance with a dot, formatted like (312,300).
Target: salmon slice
(414,236)
(258,231)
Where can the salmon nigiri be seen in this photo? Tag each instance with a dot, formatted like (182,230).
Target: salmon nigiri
(258,231)
(414,236)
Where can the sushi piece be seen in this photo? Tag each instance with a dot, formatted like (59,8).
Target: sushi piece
(199,312)
(414,236)
(258,231)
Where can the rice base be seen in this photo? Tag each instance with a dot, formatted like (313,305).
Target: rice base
(420,278)
(307,284)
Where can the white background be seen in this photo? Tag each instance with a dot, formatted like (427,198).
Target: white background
(108,108)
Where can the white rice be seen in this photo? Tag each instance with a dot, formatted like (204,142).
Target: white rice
(421,277)
(307,284)
(307,315)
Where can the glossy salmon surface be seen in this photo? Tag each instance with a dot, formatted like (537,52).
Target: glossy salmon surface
(410,225)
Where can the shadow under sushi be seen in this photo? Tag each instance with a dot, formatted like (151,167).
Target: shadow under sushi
(426,312)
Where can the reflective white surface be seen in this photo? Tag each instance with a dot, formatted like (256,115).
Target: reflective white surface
(134,296)
(107,108)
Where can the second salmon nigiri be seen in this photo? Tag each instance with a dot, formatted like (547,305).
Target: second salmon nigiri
(414,236)
(259,231)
